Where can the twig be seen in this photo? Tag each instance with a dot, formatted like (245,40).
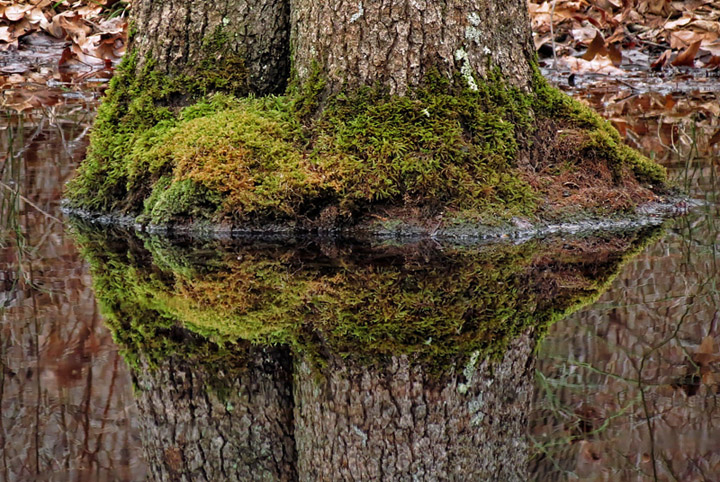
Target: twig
(552,34)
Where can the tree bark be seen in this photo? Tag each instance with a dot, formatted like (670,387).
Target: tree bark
(400,422)
(391,43)
(242,433)
(396,43)
(175,34)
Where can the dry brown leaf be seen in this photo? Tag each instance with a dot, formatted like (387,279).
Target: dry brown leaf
(36,16)
(715,138)
(113,26)
(712,47)
(706,352)
(661,61)
(713,62)
(680,22)
(86,58)
(584,33)
(89,11)
(16,12)
(67,54)
(615,54)
(669,102)
(683,38)
(597,47)
(5,34)
(599,65)
(686,58)
(707,25)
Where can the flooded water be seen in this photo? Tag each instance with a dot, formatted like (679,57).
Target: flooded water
(560,359)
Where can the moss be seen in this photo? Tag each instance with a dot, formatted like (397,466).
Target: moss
(368,302)
(182,200)
(139,108)
(295,158)
(602,140)
(603,143)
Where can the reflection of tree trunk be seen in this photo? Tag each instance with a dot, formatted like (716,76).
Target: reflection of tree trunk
(400,422)
(243,432)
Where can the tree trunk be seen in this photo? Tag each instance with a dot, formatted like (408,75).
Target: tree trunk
(243,432)
(400,422)
(396,43)
(180,35)
(391,43)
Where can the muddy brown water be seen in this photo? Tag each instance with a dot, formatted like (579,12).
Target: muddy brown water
(625,388)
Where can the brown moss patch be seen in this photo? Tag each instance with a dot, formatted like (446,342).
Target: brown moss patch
(572,179)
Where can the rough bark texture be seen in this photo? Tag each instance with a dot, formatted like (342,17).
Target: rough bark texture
(175,33)
(395,43)
(244,433)
(401,423)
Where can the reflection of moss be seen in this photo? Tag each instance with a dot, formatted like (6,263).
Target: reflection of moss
(366,302)
(290,158)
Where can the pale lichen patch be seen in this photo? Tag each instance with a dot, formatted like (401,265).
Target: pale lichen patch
(466,69)
(360,12)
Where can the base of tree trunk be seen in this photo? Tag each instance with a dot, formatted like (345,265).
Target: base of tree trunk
(441,155)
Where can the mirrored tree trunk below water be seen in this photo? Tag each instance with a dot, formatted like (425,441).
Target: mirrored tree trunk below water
(310,360)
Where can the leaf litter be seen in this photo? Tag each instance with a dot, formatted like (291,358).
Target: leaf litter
(58,52)
(617,36)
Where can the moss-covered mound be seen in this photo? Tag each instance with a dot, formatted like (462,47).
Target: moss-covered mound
(361,301)
(441,152)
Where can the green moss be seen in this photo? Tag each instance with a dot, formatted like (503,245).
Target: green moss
(370,303)
(138,110)
(442,148)
(185,199)
(603,141)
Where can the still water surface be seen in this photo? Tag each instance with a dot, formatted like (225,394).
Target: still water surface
(333,386)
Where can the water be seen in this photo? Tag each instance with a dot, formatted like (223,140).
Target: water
(333,385)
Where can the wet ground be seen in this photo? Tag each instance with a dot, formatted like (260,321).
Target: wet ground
(624,388)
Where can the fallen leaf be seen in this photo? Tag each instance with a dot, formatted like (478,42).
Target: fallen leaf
(680,22)
(661,61)
(684,38)
(585,33)
(5,34)
(615,54)
(686,58)
(599,65)
(15,12)
(669,102)
(715,138)
(597,47)
(67,54)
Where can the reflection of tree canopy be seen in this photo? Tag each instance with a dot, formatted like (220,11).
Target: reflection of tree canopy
(358,300)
